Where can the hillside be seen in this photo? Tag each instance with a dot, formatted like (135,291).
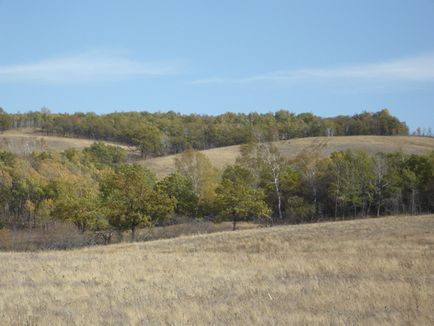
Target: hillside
(25,140)
(223,156)
(373,271)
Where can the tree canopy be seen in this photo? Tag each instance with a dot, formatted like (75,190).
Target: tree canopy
(164,133)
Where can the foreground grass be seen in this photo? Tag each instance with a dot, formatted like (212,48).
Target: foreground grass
(376,271)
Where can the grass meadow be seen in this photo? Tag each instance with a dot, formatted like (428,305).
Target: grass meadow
(371,271)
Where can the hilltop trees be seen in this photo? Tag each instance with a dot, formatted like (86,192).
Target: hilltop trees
(162,133)
(147,138)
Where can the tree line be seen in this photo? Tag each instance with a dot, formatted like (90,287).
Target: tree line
(96,191)
(165,133)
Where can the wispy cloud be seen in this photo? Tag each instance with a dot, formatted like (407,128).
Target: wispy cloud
(87,67)
(413,69)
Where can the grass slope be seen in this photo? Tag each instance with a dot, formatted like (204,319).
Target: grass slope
(373,271)
(223,156)
(26,140)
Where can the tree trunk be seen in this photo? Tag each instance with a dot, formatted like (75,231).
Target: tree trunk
(279,197)
(380,199)
(413,201)
(279,205)
(234,223)
(336,206)
(133,233)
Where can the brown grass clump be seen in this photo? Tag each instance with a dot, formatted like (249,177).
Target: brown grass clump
(373,271)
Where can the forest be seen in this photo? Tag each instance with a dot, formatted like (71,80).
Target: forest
(156,134)
(96,191)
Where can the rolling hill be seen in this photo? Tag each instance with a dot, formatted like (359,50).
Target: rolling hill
(223,156)
(372,271)
(25,140)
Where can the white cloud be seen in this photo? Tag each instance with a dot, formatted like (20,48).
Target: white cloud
(413,69)
(91,66)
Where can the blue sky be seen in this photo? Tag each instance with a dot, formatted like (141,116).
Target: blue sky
(326,57)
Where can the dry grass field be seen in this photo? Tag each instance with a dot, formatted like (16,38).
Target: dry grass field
(369,272)
(224,156)
(61,235)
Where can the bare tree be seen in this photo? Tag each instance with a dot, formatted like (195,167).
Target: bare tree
(380,169)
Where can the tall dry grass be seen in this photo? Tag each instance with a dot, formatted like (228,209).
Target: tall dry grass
(374,271)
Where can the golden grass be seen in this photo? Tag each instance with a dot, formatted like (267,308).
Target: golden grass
(24,141)
(374,271)
(223,156)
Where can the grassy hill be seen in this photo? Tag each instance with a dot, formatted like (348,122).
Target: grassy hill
(223,156)
(22,141)
(25,140)
(373,271)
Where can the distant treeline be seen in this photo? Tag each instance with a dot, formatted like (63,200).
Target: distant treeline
(96,191)
(165,133)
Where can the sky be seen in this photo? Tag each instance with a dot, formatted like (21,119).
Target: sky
(326,57)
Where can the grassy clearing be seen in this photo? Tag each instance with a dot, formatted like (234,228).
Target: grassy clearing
(373,271)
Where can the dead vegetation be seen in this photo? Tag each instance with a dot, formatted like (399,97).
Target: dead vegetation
(372,271)
(61,235)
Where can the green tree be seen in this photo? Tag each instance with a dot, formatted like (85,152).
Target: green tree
(266,164)
(354,180)
(5,120)
(131,200)
(180,187)
(104,154)
(237,199)
(148,140)
(197,168)
(79,204)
